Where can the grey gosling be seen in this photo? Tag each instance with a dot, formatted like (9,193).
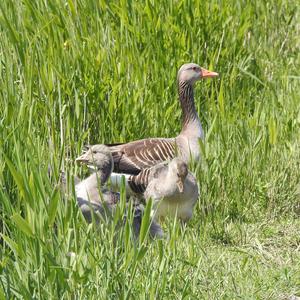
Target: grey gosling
(94,198)
(173,189)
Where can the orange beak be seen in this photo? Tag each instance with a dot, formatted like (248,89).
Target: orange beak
(208,74)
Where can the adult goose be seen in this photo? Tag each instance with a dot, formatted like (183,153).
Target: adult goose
(94,199)
(132,157)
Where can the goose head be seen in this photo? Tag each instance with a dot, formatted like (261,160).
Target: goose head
(179,169)
(192,72)
(98,156)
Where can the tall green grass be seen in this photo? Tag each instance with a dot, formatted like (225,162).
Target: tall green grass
(76,72)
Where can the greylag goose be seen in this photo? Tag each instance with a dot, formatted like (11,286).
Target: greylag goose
(94,199)
(173,189)
(132,157)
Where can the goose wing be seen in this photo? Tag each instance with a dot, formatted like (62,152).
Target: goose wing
(131,158)
(138,183)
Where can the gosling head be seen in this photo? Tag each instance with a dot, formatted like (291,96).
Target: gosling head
(180,170)
(192,72)
(98,156)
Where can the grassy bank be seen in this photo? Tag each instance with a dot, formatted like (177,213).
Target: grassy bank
(77,72)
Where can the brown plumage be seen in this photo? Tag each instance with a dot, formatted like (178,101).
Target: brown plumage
(132,157)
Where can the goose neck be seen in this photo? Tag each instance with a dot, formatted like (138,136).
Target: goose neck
(186,97)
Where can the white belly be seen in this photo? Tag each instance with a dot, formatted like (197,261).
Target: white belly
(183,211)
(81,191)
(177,204)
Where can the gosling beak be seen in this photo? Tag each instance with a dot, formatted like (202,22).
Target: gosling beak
(180,184)
(82,158)
(208,74)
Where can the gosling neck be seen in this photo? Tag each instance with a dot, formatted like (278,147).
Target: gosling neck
(104,172)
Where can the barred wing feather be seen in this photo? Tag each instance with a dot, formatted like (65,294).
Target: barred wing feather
(138,183)
(131,158)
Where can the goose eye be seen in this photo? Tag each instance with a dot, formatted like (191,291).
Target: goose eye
(195,68)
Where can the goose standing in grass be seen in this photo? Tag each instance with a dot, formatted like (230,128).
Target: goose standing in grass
(99,157)
(173,189)
(132,157)
(95,199)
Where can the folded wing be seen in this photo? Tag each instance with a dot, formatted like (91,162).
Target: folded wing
(131,158)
